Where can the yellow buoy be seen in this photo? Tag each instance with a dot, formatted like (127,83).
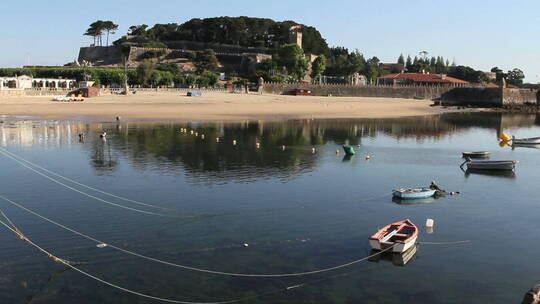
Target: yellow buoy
(504,143)
(505,137)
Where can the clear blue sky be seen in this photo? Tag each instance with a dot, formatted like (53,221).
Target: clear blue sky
(478,33)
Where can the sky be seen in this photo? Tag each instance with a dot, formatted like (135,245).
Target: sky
(478,33)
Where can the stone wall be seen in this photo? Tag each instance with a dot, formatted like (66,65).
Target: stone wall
(489,96)
(410,92)
(519,96)
(101,55)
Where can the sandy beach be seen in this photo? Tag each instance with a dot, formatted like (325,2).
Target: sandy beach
(216,107)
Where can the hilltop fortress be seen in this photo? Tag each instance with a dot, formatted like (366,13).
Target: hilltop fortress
(235,59)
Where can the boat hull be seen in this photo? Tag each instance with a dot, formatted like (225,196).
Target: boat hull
(414,195)
(398,247)
(397,237)
(478,154)
(526,141)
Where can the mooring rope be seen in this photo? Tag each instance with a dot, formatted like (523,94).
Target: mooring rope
(92,196)
(444,243)
(71,265)
(24,238)
(191,267)
(14,157)
(68,264)
(81,184)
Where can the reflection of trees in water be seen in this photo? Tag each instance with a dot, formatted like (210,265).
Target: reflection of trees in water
(164,147)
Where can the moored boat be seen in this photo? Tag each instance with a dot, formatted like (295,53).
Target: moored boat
(476,154)
(349,150)
(490,164)
(525,141)
(400,236)
(413,193)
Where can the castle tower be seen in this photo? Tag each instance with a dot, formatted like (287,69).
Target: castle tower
(295,35)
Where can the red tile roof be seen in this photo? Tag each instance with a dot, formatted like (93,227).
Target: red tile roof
(418,77)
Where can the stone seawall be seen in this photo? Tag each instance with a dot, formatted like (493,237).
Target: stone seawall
(519,96)
(410,92)
(489,97)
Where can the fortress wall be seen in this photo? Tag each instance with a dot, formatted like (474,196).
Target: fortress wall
(101,55)
(519,96)
(410,92)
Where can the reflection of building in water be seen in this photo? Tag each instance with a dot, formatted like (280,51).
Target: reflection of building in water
(29,134)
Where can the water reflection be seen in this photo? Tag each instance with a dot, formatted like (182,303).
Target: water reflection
(396,259)
(400,201)
(211,156)
(494,173)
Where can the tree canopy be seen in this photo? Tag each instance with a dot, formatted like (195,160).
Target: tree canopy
(98,29)
(241,31)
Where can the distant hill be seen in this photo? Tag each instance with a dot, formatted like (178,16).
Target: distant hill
(240,31)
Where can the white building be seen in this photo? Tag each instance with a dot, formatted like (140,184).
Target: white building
(27,82)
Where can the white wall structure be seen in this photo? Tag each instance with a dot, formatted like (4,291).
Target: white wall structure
(27,82)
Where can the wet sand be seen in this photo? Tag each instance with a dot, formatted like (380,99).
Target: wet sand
(216,107)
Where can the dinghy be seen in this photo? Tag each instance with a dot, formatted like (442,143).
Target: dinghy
(490,164)
(476,154)
(349,150)
(525,141)
(413,193)
(400,236)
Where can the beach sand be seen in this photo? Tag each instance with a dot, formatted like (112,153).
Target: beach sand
(216,106)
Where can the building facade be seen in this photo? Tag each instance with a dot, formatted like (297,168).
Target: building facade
(27,82)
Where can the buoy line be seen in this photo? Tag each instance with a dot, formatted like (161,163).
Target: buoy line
(92,196)
(191,267)
(81,184)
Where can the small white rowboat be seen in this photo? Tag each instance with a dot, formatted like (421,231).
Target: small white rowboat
(413,193)
(400,236)
(525,141)
(491,164)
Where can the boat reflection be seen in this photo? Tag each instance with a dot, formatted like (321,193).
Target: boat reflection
(347,157)
(418,201)
(397,259)
(494,173)
(533,146)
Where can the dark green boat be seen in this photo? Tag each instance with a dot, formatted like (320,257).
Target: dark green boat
(348,150)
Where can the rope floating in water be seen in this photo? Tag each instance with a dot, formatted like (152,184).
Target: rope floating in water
(109,245)
(92,196)
(81,184)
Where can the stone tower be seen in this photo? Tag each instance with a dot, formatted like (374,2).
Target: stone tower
(295,35)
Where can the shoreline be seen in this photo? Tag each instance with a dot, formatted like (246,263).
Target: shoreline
(213,106)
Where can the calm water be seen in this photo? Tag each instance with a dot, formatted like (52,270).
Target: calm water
(297,210)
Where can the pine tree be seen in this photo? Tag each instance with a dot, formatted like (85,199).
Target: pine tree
(401,60)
